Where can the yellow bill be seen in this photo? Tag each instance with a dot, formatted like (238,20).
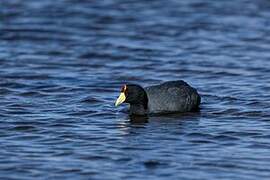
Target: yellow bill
(120,99)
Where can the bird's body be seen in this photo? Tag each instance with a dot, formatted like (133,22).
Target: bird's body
(168,97)
(172,96)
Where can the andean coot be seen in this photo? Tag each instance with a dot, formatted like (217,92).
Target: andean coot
(168,97)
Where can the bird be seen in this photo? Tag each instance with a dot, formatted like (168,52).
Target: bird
(168,97)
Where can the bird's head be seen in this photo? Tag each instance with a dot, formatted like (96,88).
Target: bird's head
(132,94)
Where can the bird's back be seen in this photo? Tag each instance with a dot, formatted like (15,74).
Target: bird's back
(172,96)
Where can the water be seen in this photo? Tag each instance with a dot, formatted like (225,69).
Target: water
(62,64)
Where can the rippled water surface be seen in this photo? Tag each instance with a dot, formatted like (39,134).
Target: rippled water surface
(62,63)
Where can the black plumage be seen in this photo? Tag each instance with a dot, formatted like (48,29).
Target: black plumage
(168,97)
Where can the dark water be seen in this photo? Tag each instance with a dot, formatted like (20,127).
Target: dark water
(62,63)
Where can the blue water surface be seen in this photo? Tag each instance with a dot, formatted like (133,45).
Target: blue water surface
(62,63)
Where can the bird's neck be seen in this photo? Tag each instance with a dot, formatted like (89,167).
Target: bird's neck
(137,109)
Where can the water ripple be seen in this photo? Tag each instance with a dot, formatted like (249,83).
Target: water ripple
(63,63)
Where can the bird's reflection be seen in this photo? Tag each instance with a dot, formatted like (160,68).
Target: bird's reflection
(131,124)
(138,119)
